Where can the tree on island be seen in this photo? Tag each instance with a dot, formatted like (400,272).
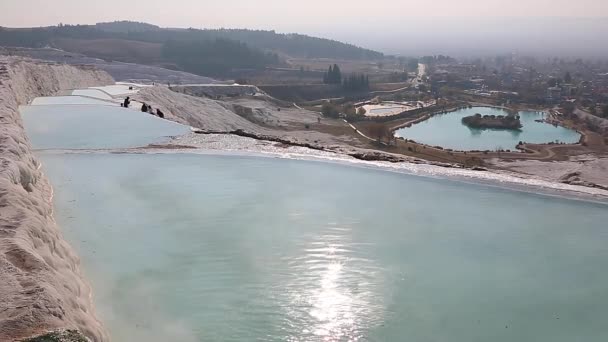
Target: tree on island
(333,75)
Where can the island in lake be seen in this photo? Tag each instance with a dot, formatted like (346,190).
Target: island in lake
(493,121)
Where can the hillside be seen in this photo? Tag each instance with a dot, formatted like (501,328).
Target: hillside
(126,26)
(294,45)
(204,52)
(129,50)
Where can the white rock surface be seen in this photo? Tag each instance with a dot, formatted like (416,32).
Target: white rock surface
(41,286)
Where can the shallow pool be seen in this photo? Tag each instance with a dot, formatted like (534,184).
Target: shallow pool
(93,127)
(118,89)
(96,93)
(190,247)
(68,100)
(448,131)
(183,247)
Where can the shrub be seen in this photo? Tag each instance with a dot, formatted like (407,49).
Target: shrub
(330,110)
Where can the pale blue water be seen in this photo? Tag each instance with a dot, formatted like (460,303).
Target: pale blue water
(184,247)
(117,89)
(69,100)
(384,110)
(94,127)
(92,93)
(447,130)
(188,247)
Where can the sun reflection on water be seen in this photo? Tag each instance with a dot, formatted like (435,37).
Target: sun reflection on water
(335,297)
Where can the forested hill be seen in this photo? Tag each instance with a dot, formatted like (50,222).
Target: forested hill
(205,52)
(294,45)
(126,26)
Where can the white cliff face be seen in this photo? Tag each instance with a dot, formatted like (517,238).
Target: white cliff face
(41,286)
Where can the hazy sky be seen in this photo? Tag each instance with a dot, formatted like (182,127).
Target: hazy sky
(282,15)
(394,26)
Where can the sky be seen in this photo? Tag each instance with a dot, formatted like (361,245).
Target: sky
(387,25)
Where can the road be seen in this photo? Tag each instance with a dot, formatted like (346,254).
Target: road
(421,72)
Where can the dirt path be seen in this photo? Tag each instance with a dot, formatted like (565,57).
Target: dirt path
(359,132)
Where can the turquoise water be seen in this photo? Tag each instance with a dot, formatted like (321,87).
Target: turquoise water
(92,93)
(93,127)
(184,247)
(68,100)
(189,247)
(447,130)
(117,89)
(385,110)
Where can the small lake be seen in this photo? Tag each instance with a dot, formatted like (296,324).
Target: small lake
(447,130)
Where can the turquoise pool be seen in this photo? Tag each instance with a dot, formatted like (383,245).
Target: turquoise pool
(447,130)
(185,247)
(79,126)
(191,247)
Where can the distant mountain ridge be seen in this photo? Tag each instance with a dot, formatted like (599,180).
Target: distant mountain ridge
(126,26)
(202,51)
(293,44)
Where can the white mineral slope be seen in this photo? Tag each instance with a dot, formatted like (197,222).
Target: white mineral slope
(194,111)
(41,286)
(257,115)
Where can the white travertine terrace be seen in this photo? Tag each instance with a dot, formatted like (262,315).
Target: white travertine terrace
(41,285)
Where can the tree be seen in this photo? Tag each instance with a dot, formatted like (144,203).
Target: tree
(333,75)
(380,132)
(412,65)
(337,72)
(568,107)
(356,82)
(330,110)
(605,112)
(361,111)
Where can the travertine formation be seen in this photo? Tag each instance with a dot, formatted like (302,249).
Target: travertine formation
(41,286)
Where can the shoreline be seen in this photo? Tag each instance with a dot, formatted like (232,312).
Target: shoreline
(410,165)
(506,180)
(538,187)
